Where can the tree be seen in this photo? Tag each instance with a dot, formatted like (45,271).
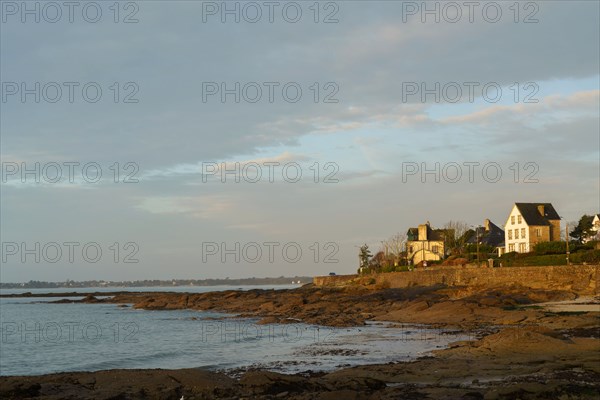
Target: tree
(394,246)
(584,229)
(364,256)
(378,261)
(456,235)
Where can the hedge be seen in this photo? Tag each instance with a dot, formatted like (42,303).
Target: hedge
(513,259)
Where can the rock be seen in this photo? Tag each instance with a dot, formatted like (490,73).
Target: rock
(472,396)
(341,394)
(13,388)
(266,382)
(363,384)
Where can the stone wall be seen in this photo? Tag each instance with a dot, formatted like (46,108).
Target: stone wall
(582,279)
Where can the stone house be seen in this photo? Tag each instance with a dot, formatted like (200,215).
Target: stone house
(424,243)
(530,223)
(489,234)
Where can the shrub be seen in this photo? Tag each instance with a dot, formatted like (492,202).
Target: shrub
(531,259)
(561,247)
(589,257)
(388,268)
(483,248)
(550,248)
(549,259)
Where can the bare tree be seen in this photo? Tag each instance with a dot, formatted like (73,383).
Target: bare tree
(455,237)
(394,245)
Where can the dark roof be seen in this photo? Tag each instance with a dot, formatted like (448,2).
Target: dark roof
(436,234)
(532,216)
(494,237)
(432,234)
(412,234)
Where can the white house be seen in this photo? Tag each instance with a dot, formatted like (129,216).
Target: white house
(530,223)
(595,228)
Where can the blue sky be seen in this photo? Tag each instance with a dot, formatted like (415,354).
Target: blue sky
(364,140)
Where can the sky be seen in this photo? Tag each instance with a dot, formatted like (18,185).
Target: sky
(337,124)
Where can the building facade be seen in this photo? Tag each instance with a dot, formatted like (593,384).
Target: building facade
(529,224)
(489,234)
(425,244)
(595,229)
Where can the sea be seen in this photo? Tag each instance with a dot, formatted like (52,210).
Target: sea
(38,337)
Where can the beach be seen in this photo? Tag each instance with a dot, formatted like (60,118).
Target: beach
(519,347)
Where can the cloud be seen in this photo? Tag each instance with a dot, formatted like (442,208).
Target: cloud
(203,207)
(368,133)
(576,104)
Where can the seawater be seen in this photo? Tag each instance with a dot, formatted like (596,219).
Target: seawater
(38,338)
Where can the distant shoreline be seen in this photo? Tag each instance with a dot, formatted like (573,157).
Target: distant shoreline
(115,293)
(70,285)
(69,294)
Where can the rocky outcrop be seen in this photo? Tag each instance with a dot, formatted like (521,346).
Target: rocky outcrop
(524,351)
(464,306)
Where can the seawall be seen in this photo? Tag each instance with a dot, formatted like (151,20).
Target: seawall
(582,279)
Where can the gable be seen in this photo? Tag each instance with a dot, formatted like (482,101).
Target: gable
(512,210)
(412,234)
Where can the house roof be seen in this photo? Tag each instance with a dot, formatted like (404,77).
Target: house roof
(436,234)
(532,216)
(432,234)
(493,237)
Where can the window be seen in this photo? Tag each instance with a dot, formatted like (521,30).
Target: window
(538,232)
(410,249)
(511,247)
(516,233)
(520,219)
(523,233)
(509,234)
(522,247)
(512,219)
(435,249)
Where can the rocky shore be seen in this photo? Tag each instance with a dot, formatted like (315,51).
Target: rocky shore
(523,350)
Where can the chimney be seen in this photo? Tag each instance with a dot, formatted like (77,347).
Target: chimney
(423,231)
(541,210)
(486,224)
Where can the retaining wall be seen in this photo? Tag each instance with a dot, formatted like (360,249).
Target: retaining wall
(582,279)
